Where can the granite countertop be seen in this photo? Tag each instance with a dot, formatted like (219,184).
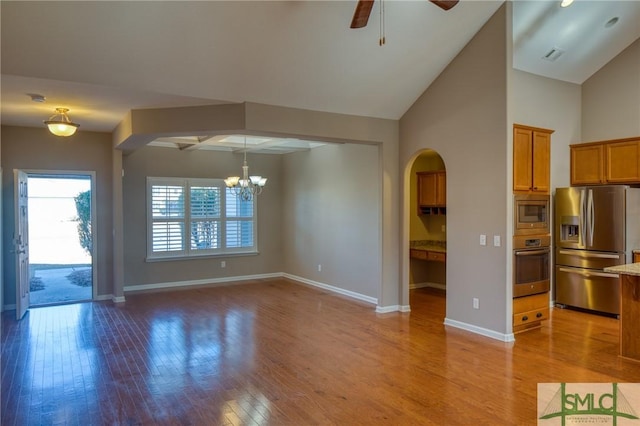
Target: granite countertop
(628,269)
(429,245)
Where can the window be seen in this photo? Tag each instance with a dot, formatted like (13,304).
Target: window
(197,217)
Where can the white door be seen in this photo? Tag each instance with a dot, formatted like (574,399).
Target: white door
(21,242)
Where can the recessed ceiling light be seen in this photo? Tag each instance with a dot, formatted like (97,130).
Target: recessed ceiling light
(566,3)
(611,22)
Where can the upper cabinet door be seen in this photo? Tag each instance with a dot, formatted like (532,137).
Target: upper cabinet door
(522,159)
(531,157)
(432,190)
(541,160)
(587,165)
(623,162)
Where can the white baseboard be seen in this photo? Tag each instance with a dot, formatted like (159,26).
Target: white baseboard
(333,289)
(480,330)
(213,282)
(392,308)
(102,297)
(118,299)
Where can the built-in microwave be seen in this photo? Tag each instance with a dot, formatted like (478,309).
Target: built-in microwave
(531,214)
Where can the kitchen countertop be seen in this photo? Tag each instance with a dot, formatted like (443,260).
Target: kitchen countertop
(429,245)
(628,269)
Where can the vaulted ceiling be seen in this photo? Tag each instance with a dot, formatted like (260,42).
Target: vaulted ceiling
(102,59)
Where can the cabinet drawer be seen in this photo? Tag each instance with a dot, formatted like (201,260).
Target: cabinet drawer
(418,254)
(436,256)
(530,316)
(529,303)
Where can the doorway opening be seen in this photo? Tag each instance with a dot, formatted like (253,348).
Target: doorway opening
(428,233)
(60,222)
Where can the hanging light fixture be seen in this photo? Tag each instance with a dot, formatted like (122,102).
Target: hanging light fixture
(59,123)
(248,186)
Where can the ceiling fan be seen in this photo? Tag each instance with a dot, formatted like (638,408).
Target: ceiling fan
(363,10)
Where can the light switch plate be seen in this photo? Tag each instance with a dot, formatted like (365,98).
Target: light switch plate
(496,240)
(483,240)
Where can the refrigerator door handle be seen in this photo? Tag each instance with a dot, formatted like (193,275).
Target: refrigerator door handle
(591,217)
(588,273)
(583,232)
(592,255)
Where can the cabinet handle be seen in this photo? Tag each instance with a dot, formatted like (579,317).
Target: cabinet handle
(524,318)
(539,314)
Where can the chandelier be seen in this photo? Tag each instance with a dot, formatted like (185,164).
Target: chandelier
(60,125)
(248,186)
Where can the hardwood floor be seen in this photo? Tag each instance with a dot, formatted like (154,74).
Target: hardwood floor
(280,353)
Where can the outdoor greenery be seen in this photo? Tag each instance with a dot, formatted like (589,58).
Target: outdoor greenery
(81,278)
(36,284)
(83,207)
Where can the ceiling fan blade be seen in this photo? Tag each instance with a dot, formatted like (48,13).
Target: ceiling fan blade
(361,15)
(445,4)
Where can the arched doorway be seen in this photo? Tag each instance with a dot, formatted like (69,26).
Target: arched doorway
(427,226)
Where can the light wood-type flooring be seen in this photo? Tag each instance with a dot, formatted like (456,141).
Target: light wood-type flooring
(274,352)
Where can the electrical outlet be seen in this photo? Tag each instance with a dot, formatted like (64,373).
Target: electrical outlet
(223,264)
(483,240)
(496,240)
(319,267)
(476,303)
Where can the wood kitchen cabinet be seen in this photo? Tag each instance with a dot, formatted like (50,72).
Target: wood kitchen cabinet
(587,164)
(432,192)
(607,162)
(434,256)
(530,311)
(622,161)
(531,159)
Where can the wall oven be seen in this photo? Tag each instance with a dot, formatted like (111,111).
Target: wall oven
(531,214)
(531,267)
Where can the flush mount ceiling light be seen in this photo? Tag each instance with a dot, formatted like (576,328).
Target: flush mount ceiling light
(566,3)
(248,186)
(59,123)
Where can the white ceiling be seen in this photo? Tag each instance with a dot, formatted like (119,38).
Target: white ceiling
(102,59)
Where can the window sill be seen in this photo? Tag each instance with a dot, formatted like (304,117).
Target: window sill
(200,256)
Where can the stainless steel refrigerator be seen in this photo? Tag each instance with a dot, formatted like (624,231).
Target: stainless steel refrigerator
(594,227)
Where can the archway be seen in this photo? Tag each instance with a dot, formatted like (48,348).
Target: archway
(426,222)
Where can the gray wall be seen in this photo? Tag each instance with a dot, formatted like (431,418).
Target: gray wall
(463,116)
(331,216)
(167,162)
(611,98)
(37,149)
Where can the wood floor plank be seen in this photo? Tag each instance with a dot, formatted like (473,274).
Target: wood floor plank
(274,352)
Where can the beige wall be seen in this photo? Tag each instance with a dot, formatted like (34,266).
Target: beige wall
(37,149)
(611,98)
(463,116)
(167,162)
(331,216)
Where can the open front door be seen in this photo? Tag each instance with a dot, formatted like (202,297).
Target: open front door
(21,242)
